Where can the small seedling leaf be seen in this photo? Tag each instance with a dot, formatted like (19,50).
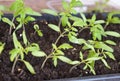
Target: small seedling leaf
(64,59)
(8,21)
(110,42)
(29,67)
(75,62)
(55,61)
(54,27)
(110,55)
(101,45)
(24,38)
(112,33)
(38,53)
(65,46)
(51,12)
(13,53)
(106,64)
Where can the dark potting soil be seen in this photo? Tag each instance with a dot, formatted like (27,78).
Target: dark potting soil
(49,71)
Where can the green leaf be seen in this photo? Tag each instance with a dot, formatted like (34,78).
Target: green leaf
(8,21)
(54,27)
(64,20)
(54,46)
(112,33)
(15,40)
(29,67)
(83,17)
(110,55)
(110,42)
(64,59)
(101,45)
(55,60)
(93,58)
(75,62)
(29,18)
(115,20)
(65,46)
(59,52)
(13,53)
(29,11)
(65,5)
(38,53)
(91,69)
(79,22)
(106,64)
(75,3)
(24,38)
(99,22)
(81,55)
(1,47)
(32,47)
(51,12)
(39,32)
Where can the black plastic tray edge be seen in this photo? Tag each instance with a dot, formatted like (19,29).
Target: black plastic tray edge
(106,77)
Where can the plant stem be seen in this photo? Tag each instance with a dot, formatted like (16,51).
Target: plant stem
(10,30)
(13,67)
(73,67)
(83,29)
(50,55)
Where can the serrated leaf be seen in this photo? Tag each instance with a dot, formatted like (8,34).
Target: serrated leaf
(54,27)
(112,33)
(29,67)
(79,23)
(103,46)
(51,12)
(59,52)
(110,42)
(106,64)
(110,55)
(38,53)
(65,46)
(64,59)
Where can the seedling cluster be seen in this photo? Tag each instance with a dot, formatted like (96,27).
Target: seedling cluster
(69,26)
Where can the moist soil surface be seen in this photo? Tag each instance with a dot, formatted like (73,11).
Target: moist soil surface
(49,71)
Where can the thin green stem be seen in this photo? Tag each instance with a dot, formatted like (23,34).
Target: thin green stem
(50,55)
(83,29)
(14,64)
(10,30)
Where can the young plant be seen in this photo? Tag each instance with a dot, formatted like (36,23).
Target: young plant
(19,52)
(22,15)
(20,11)
(56,52)
(111,18)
